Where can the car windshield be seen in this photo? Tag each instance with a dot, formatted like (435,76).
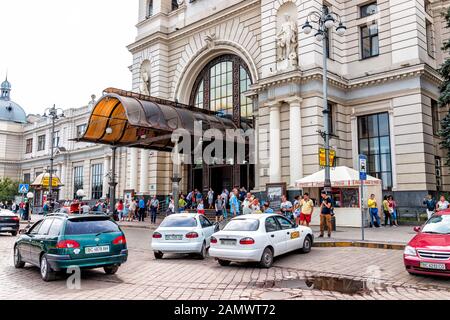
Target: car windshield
(90,226)
(242,225)
(438,224)
(179,222)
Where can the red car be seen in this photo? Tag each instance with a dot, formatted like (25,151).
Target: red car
(428,252)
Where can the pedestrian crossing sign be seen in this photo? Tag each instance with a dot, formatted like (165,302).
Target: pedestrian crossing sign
(24,188)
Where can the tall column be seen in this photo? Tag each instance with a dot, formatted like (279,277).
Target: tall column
(62,177)
(275,143)
(257,172)
(134,169)
(295,141)
(143,186)
(106,168)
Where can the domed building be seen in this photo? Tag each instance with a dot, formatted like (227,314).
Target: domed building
(12,120)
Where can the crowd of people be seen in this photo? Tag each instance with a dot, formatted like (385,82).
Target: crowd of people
(389,207)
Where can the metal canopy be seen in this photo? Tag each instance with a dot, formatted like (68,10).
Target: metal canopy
(142,121)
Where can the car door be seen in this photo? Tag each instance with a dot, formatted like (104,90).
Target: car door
(291,233)
(207,228)
(25,241)
(37,244)
(275,235)
(52,237)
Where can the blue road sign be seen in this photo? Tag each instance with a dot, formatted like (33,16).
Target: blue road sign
(362,167)
(24,188)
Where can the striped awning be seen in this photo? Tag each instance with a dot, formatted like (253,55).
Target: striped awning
(136,120)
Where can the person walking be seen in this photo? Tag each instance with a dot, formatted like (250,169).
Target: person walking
(141,209)
(119,208)
(201,207)
(306,210)
(182,204)
(373,210)
(198,197)
(171,206)
(224,196)
(442,204)
(387,214)
(393,210)
(45,208)
(132,210)
(154,206)
(247,203)
(325,214)
(218,206)
(210,198)
(286,207)
(430,203)
(234,203)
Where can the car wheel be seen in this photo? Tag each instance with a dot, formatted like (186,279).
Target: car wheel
(307,244)
(266,258)
(18,263)
(47,274)
(111,269)
(14,233)
(158,254)
(224,263)
(203,252)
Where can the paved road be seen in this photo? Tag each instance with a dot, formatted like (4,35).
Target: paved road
(325,273)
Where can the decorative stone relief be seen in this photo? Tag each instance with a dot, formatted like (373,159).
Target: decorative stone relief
(144,85)
(287,45)
(210,39)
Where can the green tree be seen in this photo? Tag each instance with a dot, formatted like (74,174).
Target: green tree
(444,98)
(8,189)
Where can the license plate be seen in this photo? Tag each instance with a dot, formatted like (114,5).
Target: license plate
(227,242)
(174,237)
(99,249)
(6,228)
(436,266)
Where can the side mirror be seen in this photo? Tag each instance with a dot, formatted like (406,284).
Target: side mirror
(216,227)
(416,229)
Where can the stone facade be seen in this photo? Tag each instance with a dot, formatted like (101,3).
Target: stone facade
(173,46)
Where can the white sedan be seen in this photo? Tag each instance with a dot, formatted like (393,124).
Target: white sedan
(183,233)
(259,238)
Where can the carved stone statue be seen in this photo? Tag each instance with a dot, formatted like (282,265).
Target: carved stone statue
(144,87)
(287,44)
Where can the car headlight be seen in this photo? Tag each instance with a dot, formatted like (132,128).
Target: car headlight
(410,251)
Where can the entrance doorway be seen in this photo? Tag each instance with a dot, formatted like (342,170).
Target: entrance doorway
(221,178)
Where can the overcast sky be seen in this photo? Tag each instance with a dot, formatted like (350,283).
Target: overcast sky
(60,52)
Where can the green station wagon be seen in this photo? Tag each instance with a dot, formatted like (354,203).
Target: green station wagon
(60,241)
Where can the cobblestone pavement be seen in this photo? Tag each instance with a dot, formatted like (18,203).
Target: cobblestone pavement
(325,273)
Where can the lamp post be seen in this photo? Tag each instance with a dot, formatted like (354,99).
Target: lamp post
(80,194)
(30,197)
(54,114)
(112,176)
(325,20)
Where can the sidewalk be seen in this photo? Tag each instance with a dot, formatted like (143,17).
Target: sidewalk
(388,235)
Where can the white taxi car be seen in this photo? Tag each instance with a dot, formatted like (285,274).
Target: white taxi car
(183,233)
(259,238)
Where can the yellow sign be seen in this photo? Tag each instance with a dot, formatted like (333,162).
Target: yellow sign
(45,181)
(295,235)
(322,157)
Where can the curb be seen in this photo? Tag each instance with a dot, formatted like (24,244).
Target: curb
(360,244)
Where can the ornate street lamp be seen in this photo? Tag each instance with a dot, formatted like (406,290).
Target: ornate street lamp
(80,194)
(30,197)
(324,20)
(112,176)
(54,114)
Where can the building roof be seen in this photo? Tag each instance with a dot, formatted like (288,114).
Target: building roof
(9,110)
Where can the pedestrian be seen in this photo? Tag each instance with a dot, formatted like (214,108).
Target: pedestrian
(267,209)
(286,207)
(45,208)
(393,210)
(246,203)
(26,211)
(373,211)
(306,210)
(182,204)
(234,203)
(325,214)
(85,209)
(119,208)
(430,203)
(442,204)
(201,207)
(141,209)
(171,206)
(387,214)
(132,210)
(224,196)
(154,206)
(210,198)
(255,206)
(218,206)
(14,207)
(198,197)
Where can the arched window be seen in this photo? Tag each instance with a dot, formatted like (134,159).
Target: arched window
(174,5)
(149,9)
(221,86)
